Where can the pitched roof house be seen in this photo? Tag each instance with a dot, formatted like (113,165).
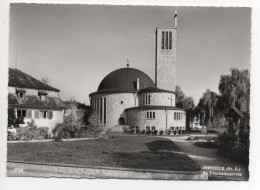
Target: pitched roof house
(35,100)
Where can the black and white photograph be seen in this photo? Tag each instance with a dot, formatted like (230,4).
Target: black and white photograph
(128,92)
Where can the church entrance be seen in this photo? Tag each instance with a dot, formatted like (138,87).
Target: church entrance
(121,121)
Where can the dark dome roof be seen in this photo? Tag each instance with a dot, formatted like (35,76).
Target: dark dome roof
(124,80)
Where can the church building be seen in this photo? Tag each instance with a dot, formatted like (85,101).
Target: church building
(129,97)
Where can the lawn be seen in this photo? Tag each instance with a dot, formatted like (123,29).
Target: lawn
(142,152)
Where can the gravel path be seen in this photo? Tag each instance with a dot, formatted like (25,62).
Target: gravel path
(209,157)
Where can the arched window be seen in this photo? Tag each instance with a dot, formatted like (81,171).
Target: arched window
(162,40)
(121,121)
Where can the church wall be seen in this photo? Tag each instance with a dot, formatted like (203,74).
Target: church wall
(137,117)
(115,106)
(159,98)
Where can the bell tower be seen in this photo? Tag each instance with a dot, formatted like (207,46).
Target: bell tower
(165,66)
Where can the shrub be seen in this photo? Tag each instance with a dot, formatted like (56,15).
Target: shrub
(126,129)
(12,119)
(71,122)
(57,139)
(148,132)
(97,131)
(207,144)
(31,132)
(11,136)
(161,132)
(228,147)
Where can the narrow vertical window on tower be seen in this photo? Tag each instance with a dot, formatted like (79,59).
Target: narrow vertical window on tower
(170,40)
(166,40)
(162,40)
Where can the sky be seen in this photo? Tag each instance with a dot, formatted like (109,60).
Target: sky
(76,46)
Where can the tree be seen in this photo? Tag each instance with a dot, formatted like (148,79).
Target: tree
(182,101)
(13,120)
(179,97)
(235,92)
(86,109)
(46,80)
(94,120)
(72,122)
(208,108)
(186,103)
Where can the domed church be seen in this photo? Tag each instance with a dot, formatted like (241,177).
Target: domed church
(128,97)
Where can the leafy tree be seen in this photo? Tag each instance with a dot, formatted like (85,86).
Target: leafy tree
(186,103)
(13,120)
(86,110)
(72,122)
(235,92)
(94,120)
(208,109)
(180,96)
(181,100)
(46,80)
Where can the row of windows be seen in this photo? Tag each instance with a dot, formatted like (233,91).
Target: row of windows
(152,128)
(146,99)
(150,115)
(99,105)
(166,40)
(176,128)
(179,115)
(21,95)
(37,114)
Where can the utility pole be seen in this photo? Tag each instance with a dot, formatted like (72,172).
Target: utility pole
(166,112)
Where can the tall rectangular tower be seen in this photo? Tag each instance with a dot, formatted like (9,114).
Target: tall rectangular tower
(165,67)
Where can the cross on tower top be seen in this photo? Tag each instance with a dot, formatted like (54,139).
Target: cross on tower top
(171,99)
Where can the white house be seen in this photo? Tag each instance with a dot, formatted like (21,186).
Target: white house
(35,100)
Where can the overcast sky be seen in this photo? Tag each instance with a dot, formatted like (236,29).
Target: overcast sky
(76,46)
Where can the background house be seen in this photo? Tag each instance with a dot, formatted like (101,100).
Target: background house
(33,99)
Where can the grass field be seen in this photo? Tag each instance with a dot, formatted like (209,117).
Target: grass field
(142,152)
